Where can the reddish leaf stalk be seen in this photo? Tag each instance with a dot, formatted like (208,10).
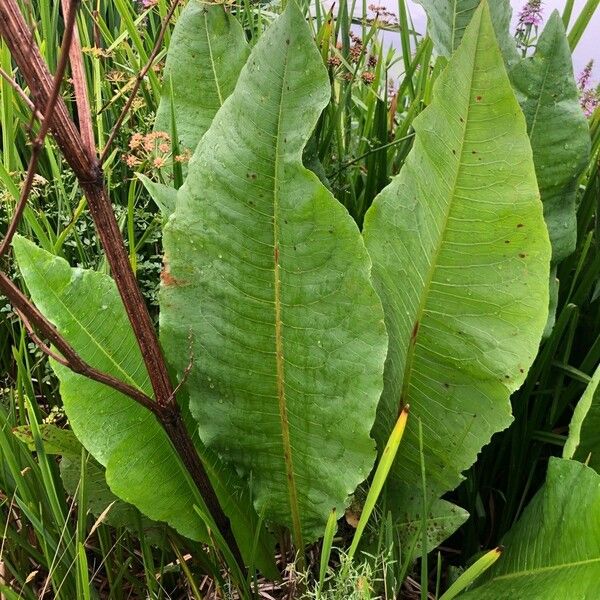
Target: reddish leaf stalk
(79,84)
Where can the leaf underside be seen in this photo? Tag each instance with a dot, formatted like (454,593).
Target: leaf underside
(461,262)
(268,274)
(447,21)
(553,552)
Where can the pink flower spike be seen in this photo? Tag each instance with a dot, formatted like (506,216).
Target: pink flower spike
(531,14)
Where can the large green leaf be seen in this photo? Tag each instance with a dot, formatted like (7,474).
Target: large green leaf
(447,21)
(142,467)
(553,552)
(461,262)
(557,128)
(584,431)
(268,275)
(206,54)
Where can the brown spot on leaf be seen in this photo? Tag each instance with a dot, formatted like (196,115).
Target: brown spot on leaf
(168,279)
(415,331)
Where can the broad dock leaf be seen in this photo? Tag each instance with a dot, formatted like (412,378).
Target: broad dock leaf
(267,274)
(142,467)
(553,552)
(558,131)
(447,21)
(207,51)
(461,262)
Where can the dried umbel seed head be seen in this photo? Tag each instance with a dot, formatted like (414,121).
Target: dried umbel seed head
(132,161)
(334,61)
(372,61)
(152,149)
(356,52)
(368,77)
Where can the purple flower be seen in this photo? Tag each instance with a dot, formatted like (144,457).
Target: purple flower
(584,78)
(589,98)
(531,14)
(589,102)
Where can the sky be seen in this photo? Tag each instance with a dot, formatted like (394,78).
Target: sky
(588,48)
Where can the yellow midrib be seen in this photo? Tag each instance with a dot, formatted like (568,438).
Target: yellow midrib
(283,414)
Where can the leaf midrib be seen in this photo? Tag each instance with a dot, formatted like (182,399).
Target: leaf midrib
(454,12)
(212,60)
(412,343)
(542,89)
(279,360)
(548,569)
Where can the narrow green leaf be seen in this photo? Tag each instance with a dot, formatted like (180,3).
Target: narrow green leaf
(379,478)
(553,552)
(557,129)
(584,430)
(473,572)
(447,21)
(461,262)
(582,22)
(268,273)
(326,546)
(207,51)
